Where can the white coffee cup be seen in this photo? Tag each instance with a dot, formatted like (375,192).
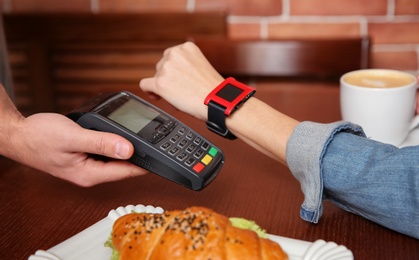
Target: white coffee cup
(381,101)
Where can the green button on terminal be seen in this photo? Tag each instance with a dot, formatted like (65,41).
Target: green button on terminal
(213,151)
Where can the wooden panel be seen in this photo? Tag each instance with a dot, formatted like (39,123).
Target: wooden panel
(83,70)
(114,27)
(18,59)
(59,60)
(283,58)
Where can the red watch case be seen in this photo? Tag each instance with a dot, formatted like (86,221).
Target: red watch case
(230,94)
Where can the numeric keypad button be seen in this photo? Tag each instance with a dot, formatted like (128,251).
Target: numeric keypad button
(181,156)
(190,148)
(183,143)
(198,154)
(174,151)
(190,161)
(165,146)
(174,138)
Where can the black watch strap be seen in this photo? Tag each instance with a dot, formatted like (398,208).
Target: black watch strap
(222,101)
(216,120)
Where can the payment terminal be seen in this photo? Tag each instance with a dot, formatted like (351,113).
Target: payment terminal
(163,145)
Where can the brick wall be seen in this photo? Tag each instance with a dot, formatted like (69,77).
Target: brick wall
(392,24)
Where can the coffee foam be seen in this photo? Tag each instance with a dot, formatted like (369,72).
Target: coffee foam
(378,79)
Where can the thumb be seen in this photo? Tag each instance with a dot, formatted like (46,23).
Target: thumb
(107,144)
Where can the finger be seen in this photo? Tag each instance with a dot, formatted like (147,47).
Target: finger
(160,63)
(96,172)
(147,84)
(166,54)
(101,143)
(168,50)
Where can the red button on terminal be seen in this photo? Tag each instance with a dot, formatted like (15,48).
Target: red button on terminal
(198,167)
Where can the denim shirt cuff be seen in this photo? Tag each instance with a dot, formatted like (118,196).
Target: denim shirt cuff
(305,150)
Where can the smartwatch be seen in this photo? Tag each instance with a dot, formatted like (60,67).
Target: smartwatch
(223,101)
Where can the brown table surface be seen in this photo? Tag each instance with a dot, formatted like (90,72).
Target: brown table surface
(38,211)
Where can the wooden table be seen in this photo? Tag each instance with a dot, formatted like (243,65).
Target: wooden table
(38,211)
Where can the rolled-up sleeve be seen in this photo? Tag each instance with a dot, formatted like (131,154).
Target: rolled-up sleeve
(305,150)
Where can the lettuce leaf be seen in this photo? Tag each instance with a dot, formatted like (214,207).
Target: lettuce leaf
(248,224)
(115,253)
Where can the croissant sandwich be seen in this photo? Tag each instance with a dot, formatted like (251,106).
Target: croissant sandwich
(194,233)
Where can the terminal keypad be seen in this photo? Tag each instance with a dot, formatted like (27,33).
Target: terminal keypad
(188,148)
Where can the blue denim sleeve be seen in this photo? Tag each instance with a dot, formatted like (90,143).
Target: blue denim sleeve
(377,181)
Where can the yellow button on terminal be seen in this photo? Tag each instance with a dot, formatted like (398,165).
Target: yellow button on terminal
(206,160)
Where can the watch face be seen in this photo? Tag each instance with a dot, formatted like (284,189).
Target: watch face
(229,92)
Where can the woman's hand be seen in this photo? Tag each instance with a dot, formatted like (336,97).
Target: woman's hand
(184,78)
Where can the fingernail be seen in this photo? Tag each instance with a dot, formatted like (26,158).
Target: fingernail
(121,149)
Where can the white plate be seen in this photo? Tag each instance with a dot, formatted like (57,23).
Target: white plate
(89,244)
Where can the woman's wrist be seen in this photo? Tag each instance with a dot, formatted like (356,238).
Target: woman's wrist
(262,127)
